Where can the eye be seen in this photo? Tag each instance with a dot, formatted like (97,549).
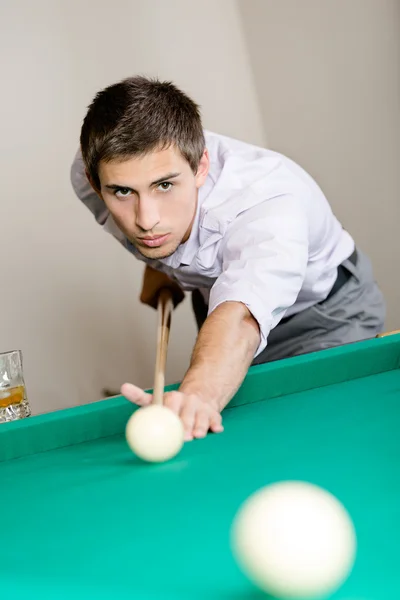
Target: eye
(123,192)
(165,186)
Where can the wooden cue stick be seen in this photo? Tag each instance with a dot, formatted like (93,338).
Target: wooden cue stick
(164,307)
(385,334)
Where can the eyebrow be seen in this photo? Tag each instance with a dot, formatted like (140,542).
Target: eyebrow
(114,186)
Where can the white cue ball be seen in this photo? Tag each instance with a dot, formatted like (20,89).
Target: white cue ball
(294,540)
(155,433)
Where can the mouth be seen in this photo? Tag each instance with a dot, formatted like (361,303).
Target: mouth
(154,241)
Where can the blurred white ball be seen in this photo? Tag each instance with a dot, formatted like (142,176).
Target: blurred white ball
(294,540)
(155,433)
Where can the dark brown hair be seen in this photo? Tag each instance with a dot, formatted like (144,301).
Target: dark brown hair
(137,116)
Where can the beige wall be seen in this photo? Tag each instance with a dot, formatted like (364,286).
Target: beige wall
(69,292)
(328,78)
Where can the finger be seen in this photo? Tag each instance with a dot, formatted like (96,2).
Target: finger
(202,424)
(216,423)
(135,394)
(188,416)
(174,401)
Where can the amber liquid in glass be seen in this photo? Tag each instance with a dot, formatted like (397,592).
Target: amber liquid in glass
(10,396)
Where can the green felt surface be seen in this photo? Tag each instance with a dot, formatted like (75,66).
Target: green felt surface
(90,521)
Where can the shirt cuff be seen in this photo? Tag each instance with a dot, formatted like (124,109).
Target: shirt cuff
(252,301)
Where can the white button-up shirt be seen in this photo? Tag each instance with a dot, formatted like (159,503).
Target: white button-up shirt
(264,234)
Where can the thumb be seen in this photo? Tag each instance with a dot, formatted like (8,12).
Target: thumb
(135,394)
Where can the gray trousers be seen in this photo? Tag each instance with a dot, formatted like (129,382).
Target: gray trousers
(355,312)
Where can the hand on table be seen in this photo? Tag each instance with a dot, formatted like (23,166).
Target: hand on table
(198,417)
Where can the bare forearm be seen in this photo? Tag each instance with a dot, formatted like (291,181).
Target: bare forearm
(222,355)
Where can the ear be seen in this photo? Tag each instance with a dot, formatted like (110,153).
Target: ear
(92,183)
(203,168)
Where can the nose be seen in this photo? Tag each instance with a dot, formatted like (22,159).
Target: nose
(147,216)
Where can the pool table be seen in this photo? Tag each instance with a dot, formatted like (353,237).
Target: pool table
(84,519)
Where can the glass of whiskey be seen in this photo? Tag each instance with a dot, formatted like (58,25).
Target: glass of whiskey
(13,401)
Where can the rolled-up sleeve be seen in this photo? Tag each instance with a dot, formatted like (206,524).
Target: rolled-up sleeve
(264,260)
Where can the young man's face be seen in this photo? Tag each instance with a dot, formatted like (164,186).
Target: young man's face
(153,199)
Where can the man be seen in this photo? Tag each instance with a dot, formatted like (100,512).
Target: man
(271,270)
